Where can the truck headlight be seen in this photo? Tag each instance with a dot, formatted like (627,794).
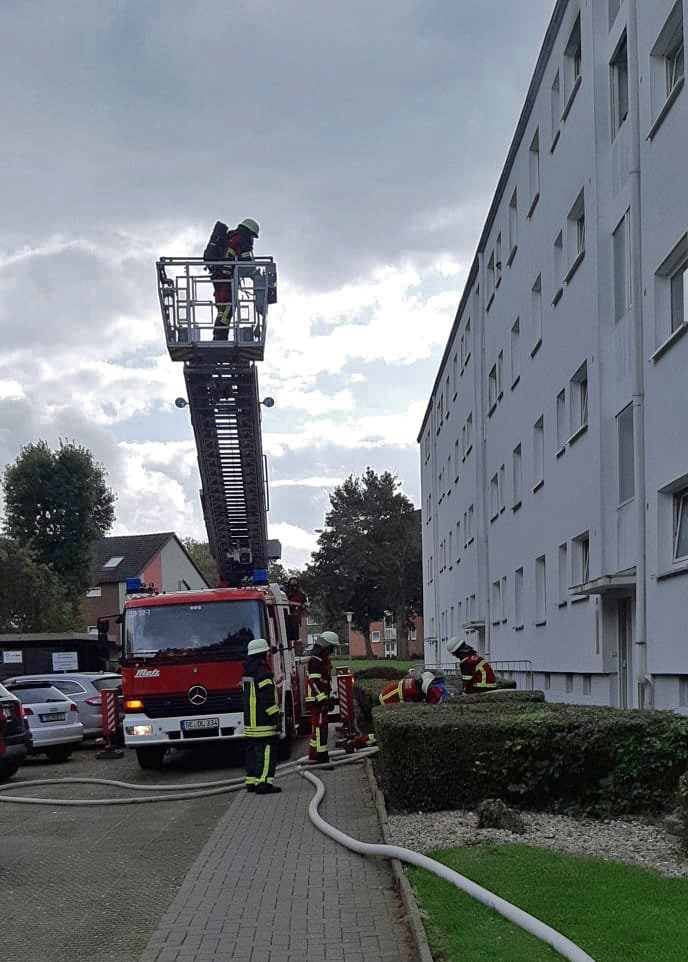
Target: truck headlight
(139,730)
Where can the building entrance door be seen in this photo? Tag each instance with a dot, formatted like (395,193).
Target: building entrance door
(624,620)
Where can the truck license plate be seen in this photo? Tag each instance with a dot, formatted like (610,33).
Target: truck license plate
(194,724)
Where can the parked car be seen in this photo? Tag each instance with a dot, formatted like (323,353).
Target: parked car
(53,719)
(84,688)
(14,738)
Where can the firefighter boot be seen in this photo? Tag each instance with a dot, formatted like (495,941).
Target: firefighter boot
(266,789)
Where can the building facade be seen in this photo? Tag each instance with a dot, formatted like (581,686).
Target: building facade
(554,448)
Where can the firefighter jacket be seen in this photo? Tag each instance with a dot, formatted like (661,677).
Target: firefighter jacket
(239,247)
(318,682)
(410,690)
(477,674)
(261,710)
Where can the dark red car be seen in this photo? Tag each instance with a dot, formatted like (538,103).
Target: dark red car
(14,738)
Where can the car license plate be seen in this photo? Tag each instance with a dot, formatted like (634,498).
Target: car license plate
(53,716)
(194,724)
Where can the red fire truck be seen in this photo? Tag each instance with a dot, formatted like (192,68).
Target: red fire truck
(183,660)
(183,652)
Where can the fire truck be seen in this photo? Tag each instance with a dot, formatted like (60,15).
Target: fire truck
(183,652)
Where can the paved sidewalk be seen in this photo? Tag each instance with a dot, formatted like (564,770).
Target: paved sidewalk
(268,887)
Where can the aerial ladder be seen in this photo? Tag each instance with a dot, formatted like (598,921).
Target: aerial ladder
(222,387)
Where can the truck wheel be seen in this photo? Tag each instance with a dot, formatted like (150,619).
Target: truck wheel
(151,757)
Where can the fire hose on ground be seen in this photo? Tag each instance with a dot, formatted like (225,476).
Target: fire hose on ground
(166,793)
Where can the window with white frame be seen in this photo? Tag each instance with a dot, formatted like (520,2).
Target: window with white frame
(448,395)
(458,540)
(429,508)
(562,425)
(455,373)
(536,313)
(473,606)
(558,266)
(450,549)
(412,634)
(427,445)
(518,598)
(517,475)
(619,86)
(504,599)
(493,388)
(114,561)
(578,394)
(490,278)
(449,474)
(374,637)
(667,64)
(496,602)
(680,552)
(539,452)
(97,592)
(469,433)
(580,559)
(575,228)
(498,260)
(540,590)
(621,250)
(515,351)
(587,684)
(573,58)
(671,291)
(624,430)
(469,524)
(569,683)
(534,171)
(457,458)
(494,496)
(430,570)
(555,110)
(563,573)
(513,225)
(502,486)
(466,343)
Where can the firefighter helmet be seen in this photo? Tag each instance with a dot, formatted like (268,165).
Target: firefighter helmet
(257,647)
(427,679)
(328,639)
(454,644)
(251,225)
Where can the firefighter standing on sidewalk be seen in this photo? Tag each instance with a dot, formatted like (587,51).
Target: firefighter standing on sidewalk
(318,692)
(261,720)
(477,674)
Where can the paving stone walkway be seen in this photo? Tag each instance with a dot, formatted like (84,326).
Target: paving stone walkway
(268,887)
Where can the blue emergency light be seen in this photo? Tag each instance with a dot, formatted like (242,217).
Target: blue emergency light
(260,576)
(133,585)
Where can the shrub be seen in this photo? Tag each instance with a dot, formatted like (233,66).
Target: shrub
(366,695)
(382,671)
(682,810)
(598,761)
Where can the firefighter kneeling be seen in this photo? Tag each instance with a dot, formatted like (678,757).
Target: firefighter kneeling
(477,674)
(416,687)
(261,720)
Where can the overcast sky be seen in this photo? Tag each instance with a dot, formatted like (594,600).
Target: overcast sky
(365,137)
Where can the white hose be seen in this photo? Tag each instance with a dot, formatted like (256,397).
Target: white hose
(565,947)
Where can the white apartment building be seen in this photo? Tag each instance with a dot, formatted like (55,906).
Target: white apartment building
(554,448)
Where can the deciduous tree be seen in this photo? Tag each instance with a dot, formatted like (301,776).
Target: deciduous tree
(32,596)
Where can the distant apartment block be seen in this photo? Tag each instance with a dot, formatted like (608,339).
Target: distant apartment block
(554,447)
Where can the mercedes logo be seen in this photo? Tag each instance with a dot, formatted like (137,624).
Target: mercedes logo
(198,695)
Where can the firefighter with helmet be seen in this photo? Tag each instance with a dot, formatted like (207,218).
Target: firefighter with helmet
(318,695)
(236,245)
(261,720)
(477,674)
(417,686)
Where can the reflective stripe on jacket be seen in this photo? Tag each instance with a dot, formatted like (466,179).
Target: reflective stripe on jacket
(261,711)
(318,681)
(408,689)
(477,674)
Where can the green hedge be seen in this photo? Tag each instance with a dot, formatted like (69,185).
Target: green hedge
(597,761)
(683,807)
(366,697)
(383,671)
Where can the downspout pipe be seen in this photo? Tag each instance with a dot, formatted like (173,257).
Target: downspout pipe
(644,681)
(480,453)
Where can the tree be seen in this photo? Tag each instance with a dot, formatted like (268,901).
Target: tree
(57,504)
(32,596)
(368,559)
(199,551)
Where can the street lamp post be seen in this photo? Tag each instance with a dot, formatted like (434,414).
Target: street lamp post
(349,616)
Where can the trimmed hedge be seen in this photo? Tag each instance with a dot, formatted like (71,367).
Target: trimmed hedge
(366,697)
(383,671)
(682,810)
(565,758)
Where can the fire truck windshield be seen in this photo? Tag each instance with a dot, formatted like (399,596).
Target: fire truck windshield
(219,629)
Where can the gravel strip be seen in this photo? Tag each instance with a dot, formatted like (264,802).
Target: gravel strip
(613,840)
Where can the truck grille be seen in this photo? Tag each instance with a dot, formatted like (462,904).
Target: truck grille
(161,706)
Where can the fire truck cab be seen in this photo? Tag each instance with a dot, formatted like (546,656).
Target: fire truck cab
(182,664)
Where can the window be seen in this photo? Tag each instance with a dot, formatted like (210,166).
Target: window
(555,110)
(671,293)
(114,561)
(517,475)
(515,353)
(579,399)
(569,683)
(518,598)
(458,541)
(430,569)
(681,525)
(580,560)
(494,388)
(456,460)
(468,525)
(538,452)
(562,433)
(412,634)
(466,344)
(575,234)
(536,314)
(540,590)
(450,549)
(563,573)
(375,636)
(497,493)
(679,297)
(449,474)
(513,225)
(447,394)
(558,267)
(667,66)
(490,278)
(572,66)
(619,86)
(98,592)
(502,487)
(622,267)
(498,260)
(683,691)
(469,433)
(534,172)
(496,602)
(455,373)
(546,681)
(587,684)
(624,430)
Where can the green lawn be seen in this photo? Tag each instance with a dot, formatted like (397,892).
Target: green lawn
(615,912)
(358,664)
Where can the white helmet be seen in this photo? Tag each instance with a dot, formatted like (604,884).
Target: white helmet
(328,639)
(454,644)
(257,647)
(427,679)
(251,225)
